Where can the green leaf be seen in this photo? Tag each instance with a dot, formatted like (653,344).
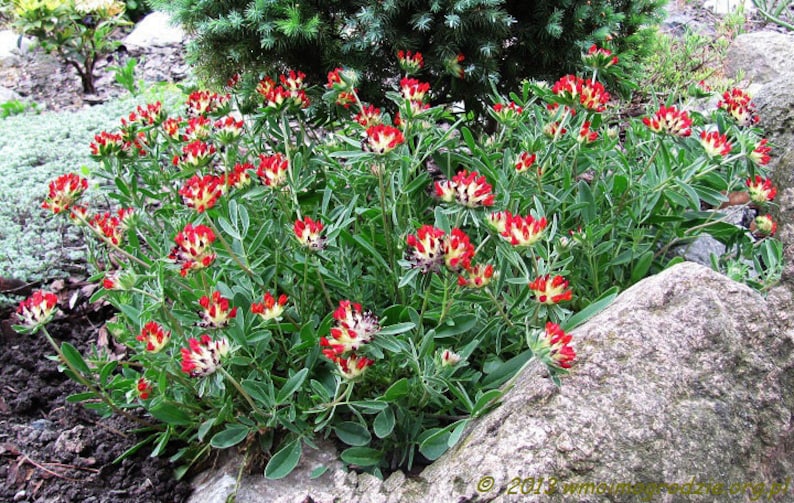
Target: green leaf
(284,461)
(594,308)
(367,247)
(383,424)
(485,400)
(318,472)
(79,397)
(292,384)
(506,370)
(204,428)
(435,443)
(397,328)
(353,433)
(73,356)
(642,266)
(361,456)
(130,312)
(231,436)
(170,414)
(457,432)
(397,390)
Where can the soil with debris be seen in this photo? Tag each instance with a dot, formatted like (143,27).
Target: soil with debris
(57,452)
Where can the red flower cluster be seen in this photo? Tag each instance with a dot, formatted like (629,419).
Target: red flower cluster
(239,176)
(269,308)
(193,249)
(760,154)
(112,227)
(477,276)
(207,103)
(202,192)
(410,62)
(354,328)
(556,345)
(272,170)
(202,357)
(198,128)
(154,337)
(586,135)
(339,81)
(64,192)
(383,139)
(715,144)
(525,161)
(507,114)
(572,90)
(761,189)
(291,93)
(467,189)
(308,233)
(763,226)
(369,116)
(228,129)
(144,388)
(216,312)
(738,103)
(599,58)
(195,155)
(669,120)
(415,93)
(550,290)
(517,230)
(430,248)
(38,309)
(107,144)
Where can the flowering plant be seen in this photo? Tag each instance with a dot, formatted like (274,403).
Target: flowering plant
(78,31)
(379,280)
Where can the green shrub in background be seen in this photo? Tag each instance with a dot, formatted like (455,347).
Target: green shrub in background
(500,42)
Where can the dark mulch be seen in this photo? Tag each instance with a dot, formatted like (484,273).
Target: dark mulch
(56,452)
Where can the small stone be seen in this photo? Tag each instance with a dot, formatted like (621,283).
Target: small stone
(21,495)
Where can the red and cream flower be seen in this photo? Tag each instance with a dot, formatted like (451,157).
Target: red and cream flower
(270,308)
(593,96)
(445,190)
(196,154)
(760,154)
(449,358)
(410,62)
(107,144)
(458,250)
(240,175)
(152,114)
(669,120)
(38,309)
(550,290)
(308,233)
(426,249)
(193,248)
(738,103)
(338,79)
(599,58)
(760,189)
(264,86)
(203,356)
(507,114)
(587,135)
(198,128)
(715,144)
(383,139)
(413,90)
(553,129)
(555,347)
(352,366)
(525,161)
(524,231)
(763,226)
(109,226)
(272,170)
(472,190)
(498,220)
(154,337)
(207,103)
(453,65)
(293,80)
(369,116)
(171,127)
(354,328)
(216,312)
(202,192)
(477,276)
(64,192)
(144,388)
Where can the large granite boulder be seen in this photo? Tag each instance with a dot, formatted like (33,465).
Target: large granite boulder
(12,46)
(762,56)
(685,379)
(155,30)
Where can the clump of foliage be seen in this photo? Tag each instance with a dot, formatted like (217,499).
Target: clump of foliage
(468,46)
(78,31)
(16,107)
(379,280)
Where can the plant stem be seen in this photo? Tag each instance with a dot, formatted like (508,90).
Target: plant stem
(79,377)
(387,232)
(322,284)
(229,249)
(240,389)
(499,307)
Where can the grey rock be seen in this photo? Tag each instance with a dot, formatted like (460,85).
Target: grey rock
(703,247)
(679,24)
(684,378)
(11,46)
(724,7)
(155,30)
(7,94)
(763,56)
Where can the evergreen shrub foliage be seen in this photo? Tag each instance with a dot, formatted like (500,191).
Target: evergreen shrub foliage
(501,41)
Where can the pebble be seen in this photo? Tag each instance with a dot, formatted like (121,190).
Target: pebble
(20,495)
